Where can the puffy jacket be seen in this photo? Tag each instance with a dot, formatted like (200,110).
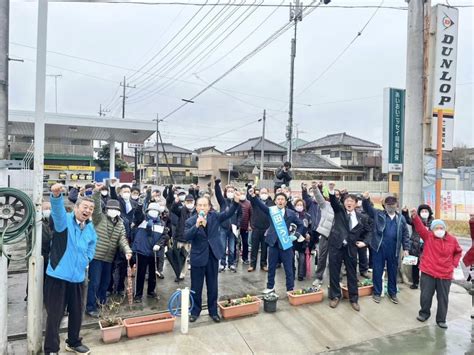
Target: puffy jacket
(282,177)
(440,255)
(183,213)
(327,213)
(71,248)
(110,234)
(379,219)
(416,243)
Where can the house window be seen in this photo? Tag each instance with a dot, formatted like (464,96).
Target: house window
(346,155)
(334,154)
(326,152)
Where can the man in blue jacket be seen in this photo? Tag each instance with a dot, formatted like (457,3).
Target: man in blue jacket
(207,248)
(72,249)
(390,233)
(282,218)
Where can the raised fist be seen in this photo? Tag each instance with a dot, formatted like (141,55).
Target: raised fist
(413,212)
(57,189)
(366,195)
(218,181)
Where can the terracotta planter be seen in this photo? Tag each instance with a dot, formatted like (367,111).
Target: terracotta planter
(312,297)
(240,310)
(111,334)
(363,291)
(146,325)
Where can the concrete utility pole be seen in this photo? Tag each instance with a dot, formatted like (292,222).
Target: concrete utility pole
(158,120)
(124,97)
(262,147)
(55,76)
(296,14)
(35,267)
(413,153)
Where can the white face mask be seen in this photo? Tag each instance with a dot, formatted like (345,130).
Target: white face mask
(113,213)
(230,195)
(153,214)
(182,197)
(299,208)
(359,203)
(439,233)
(46,213)
(242,198)
(424,215)
(135,197)
(104,192)
(264,197)
(126,195)
(190,205)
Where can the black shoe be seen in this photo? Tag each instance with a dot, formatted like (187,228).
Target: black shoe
(151,295)
(365,275)
(192,318)
(176,279)
(414,286)
(442,325)
(216,318)
(300,278)
(160,275)
(393,298)
(422,319)
(137,300)
(80,349)
(93,314)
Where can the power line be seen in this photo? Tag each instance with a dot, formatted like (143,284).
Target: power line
(359,33)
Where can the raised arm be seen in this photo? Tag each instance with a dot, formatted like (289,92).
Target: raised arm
(367,206)
(405,235)
(113,192)
(257,203)
(58,211)
(228,212)
(97,214)
(218,191)
(319,198)
(420,227)
(335,203)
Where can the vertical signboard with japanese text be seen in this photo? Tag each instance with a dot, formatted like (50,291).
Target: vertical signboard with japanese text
(393,128)
(442,77)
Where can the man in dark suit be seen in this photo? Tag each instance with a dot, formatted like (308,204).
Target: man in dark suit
(276,251)
(351,231)
(207,248)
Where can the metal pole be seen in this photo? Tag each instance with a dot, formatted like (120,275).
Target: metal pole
(439,164)
(35,271)
(413,152)
(112,159)
(262,148)
(136,166)
(290,111)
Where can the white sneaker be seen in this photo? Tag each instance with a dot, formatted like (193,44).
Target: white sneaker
(317,282)
(268,290)
(221,268)
(232,268)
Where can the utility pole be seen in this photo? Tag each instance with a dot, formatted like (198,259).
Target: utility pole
(296,14)
(102,111)
(158,120)
(55,76)
(262,146)
(412,182)
(124,97)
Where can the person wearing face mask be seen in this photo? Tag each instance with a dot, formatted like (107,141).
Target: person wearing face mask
(179,241)
(229,226)
(303,241)
(111,236)
(260,223)
(390,235)
(104,197)
(151,237)
(441,255)
(135,193)
(416,243)
(350,232)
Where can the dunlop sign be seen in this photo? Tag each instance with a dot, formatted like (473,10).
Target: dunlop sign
(443,60)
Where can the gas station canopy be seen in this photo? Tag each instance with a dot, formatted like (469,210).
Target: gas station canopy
(72,126)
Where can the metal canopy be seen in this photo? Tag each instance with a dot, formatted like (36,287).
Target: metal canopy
(71,126)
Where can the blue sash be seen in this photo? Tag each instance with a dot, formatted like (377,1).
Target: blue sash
(279,224)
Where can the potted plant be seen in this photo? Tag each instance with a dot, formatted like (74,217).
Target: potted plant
(146,325)
(305,296)
(270,302)
(365,288)
(111,326)
(239,307)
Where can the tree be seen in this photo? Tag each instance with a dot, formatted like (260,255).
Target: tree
(103,159)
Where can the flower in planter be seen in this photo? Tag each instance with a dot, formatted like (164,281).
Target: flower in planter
(271,297)
(365,282)
(239,301)
(305,291)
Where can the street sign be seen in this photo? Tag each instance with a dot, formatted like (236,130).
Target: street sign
(443,60)
(393,128)
(135,145)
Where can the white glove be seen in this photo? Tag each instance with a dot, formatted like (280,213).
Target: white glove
(156,248)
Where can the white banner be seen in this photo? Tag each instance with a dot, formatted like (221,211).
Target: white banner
(443,59)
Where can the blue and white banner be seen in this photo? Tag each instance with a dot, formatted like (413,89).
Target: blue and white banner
(278,221)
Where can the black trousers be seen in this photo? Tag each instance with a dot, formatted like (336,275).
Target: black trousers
(428,287)
(209,272)
(145,263)
(258,242)
(415,272)
(363,260)
(57,295)
(336,257)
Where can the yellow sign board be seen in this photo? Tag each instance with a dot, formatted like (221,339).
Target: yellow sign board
(81,168)
(70,167)
(55,167)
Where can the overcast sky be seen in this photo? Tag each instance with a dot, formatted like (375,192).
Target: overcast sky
(347,98)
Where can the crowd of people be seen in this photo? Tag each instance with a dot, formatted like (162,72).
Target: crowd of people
(112,229)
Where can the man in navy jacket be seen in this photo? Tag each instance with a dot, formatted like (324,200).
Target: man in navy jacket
(207,248)
(275,249)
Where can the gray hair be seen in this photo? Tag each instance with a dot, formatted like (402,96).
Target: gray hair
(83,199)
